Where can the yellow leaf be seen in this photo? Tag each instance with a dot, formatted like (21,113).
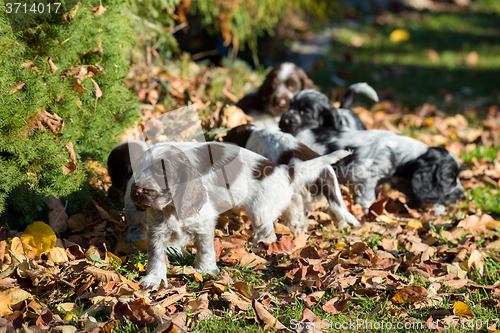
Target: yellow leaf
(339,245)
(115,258)
(5,306)
(462,309)
(16,296)
(415,224)
(140,267)
(141,244)
(70,316)
(40,236)
(399,36)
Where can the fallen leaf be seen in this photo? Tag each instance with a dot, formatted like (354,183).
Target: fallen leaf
(285,245)
(264,316)
(40,236)
(53,67)
(472,58)
(335,306)
(17,87)
(52,120)
(58,253)
(16,296)
(455,270)
(58,219)
(71,167)
(434,56)
(462,310)
(415,224)
(103,275)
(399,36)
(235,117)
(5,308)
(300,241)
(236,300)
(98,93)
(410,294)
(78,221)
(99,10)
(251,259)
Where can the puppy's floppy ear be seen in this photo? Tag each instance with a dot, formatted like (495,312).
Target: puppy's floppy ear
(265,90)
(121,160)
(423,181)
(329,116)
(305,81)
(190,194)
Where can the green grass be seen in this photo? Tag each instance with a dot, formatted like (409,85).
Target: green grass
(405,73)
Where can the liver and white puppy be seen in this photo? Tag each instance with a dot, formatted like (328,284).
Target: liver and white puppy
(178,190)
(283,148)
(273,97)
(426,174)
(312,109)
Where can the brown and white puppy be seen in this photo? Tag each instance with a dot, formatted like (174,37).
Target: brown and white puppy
(272,99)
(283,148)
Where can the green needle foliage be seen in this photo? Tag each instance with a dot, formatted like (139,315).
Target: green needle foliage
(32,155)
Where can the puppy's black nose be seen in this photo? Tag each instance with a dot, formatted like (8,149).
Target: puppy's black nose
(138,190)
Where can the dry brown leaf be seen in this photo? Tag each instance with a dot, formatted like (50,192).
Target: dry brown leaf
(53,67)
(78,221)
(285,245)
(102,274)
(16,296)
(99,10)
(251,259)
(17,87)
(410,294)
(58,219)
(5,308)
(472,58)
(264,316)
(98,93)
(433,55)
(52,120)
(235,117)
(335,306)
(58,253)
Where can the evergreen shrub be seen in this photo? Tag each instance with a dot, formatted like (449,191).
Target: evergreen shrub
(62,100)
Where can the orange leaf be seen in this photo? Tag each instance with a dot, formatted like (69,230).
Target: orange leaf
(17,87)
(410,294)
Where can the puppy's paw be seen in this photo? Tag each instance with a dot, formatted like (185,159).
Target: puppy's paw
(153,281)
(207,270)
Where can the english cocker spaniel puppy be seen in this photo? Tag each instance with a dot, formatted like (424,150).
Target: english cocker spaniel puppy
(283,148)
(178,190)
(425,174)
(273,97)
(312,109)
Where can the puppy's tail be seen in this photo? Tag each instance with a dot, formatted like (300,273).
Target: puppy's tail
(309,170)
(358,88)
(120,164)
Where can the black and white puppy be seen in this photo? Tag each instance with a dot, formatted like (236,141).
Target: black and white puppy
(426,174)
(283,148)
(312,109)
(178,190)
